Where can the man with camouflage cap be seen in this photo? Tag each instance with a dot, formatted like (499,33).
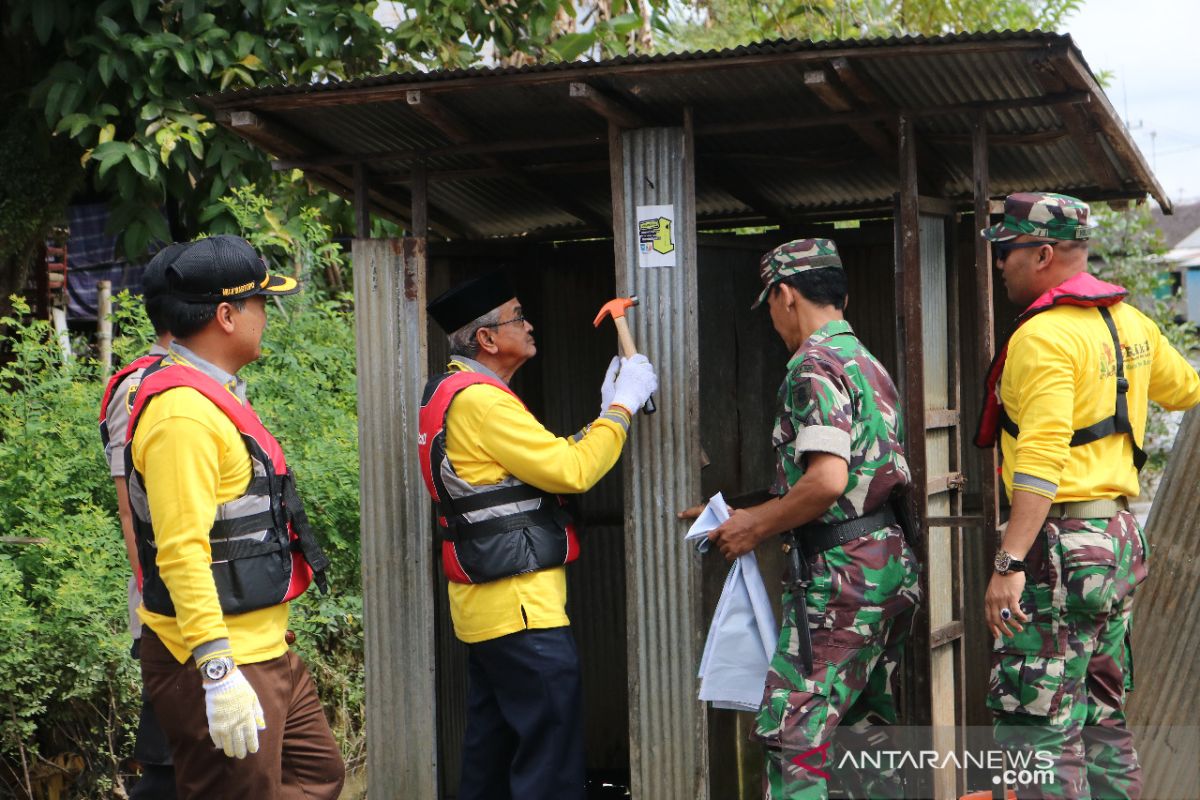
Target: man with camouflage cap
(852,586)
(1066,398)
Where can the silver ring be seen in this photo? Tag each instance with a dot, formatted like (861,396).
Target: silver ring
(1005,614)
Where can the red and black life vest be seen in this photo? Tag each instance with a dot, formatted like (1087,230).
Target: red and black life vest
(263,551)
(1084,290)
(494,531)
(140,363)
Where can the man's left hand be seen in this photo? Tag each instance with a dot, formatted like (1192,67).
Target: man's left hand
(1004,592)
(737,535)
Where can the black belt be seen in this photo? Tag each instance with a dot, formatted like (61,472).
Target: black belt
(815,538)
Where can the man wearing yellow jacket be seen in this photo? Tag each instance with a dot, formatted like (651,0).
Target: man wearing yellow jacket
(494,473)
(1067,400)
(224,545)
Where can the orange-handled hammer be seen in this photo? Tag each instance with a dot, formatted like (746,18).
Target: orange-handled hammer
(616,309)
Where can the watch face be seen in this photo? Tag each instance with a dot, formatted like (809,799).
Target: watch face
(1003,559)
(216,669)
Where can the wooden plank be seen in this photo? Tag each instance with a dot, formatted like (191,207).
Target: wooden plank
(951,481)
(936,418)
(945,634)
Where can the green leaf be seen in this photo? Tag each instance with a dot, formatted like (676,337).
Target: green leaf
(140,9)
(105,66)
(205,60)
(184,59)
(142,162)
(72,122)
(109,26)
(43,20)
(626,23)
(570,46)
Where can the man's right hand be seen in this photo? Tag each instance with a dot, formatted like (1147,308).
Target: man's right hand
(234,714)
(635,383)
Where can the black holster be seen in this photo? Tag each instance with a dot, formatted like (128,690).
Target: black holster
(796,582)
(904,505)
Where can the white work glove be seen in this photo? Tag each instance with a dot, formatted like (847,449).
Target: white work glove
(610,384)
(234,714)
(635,383)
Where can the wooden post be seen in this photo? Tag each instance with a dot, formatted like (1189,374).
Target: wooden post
(420,201)
(397,537)
(362,202)
(104,325)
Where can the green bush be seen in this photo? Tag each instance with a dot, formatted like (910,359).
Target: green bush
(69,686)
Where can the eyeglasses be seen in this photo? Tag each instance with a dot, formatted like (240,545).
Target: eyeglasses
(506,322)
(1002,250)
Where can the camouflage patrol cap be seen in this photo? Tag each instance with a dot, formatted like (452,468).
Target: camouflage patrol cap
(1050,216)
(792,258)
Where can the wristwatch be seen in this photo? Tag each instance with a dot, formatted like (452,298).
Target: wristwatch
(1006,564)
(216,669)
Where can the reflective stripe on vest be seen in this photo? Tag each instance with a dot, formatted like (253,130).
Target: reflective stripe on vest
(137,365)
(263,551)
(479,525)
(1086,291)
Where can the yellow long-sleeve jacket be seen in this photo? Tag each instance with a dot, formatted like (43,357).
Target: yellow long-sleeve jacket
(489,436)
(1060,376)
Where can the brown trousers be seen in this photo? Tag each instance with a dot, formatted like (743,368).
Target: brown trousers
(297,756)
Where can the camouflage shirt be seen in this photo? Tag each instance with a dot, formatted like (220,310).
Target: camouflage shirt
(837,398)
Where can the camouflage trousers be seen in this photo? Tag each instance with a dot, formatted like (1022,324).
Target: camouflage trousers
(1057,689)
(859,610)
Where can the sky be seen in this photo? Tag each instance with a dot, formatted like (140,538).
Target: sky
(1151,49)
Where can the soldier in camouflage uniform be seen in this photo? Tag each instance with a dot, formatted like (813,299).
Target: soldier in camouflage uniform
(839,455)
(1071,555)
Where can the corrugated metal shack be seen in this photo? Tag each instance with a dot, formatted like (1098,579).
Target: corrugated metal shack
(541,168)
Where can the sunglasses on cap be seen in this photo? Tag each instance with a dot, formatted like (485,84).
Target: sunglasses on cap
(1002,250)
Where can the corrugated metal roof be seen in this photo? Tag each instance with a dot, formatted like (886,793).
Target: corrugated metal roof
(769,148)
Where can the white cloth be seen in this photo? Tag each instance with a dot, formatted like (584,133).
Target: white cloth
(742,637)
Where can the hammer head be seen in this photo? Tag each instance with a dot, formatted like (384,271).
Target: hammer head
(615,308)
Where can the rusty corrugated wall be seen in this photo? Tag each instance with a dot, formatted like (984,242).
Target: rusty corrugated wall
(397,560)
(1165,705)
(668,752)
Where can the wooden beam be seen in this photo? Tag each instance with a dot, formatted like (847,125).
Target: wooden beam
(463,134)
(429,107)
(778,123)
(1079,124)
(784,122)
(414,153)
(833,98)
(420,196)
(939,171)
(985,343)
(362,203)
(609,108)
(1033,138)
